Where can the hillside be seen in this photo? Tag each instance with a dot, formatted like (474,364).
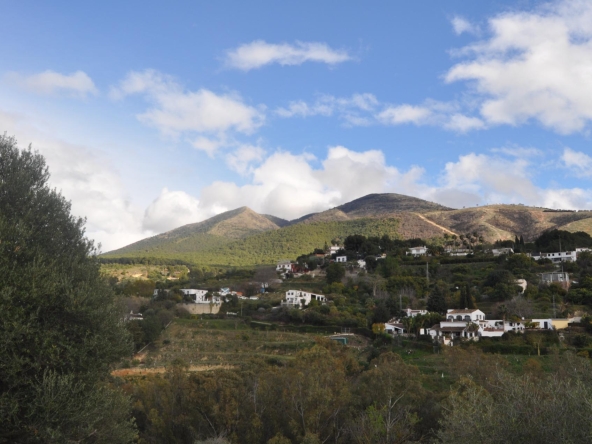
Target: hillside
(211,233)
(495,222)
(374,206)
(242,237)
(270,246)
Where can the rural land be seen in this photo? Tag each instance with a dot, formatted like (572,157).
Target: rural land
(388,319)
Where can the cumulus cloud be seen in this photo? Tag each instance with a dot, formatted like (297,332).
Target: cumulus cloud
(201,114)
(241,159)
(462,25)
(77,84)
(580,163)
(534,66)
(172,209)
(87,178)
(260,53)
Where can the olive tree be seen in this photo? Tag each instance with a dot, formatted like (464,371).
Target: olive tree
(60,327)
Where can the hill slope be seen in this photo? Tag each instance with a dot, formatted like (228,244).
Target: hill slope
(211,233)
(243,237)
(495,222)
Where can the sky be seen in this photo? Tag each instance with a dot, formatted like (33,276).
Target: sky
(152,115)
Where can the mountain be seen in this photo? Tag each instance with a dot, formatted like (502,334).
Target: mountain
(243,237)
(211,233)
(495,222)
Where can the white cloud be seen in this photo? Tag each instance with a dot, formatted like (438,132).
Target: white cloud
(461,25)
(396,115)
(518,151)
(77,84)
(87,178)
(580,163)
(172,209)
(260,53)
(462,124)
(534,66)
(177,111)
(242,158)
(348,108)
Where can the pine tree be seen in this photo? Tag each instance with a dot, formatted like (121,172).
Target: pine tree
(60,328)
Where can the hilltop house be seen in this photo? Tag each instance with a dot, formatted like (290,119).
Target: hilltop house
(417,251)
(298,298)
(341,259)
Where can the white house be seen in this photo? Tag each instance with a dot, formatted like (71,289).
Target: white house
(197,296)
(457,251)
(417,251)
(284,265)
(298,298)
(362,263)
(334,249)
(394,328)
(412,313)
(561,256)
(467,315)
(341,259)
(559,277)
(500,251)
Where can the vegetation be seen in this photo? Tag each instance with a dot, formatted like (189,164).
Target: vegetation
(60,326)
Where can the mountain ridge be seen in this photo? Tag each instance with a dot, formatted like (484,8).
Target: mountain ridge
(221,238)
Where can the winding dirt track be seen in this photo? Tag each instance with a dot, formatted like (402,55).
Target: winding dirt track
(434,224)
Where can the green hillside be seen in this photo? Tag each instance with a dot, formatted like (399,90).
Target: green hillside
(209,234)
(267,247)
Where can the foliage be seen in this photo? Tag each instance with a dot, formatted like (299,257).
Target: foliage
(60,328)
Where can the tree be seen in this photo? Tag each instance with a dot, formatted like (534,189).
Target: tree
(335,272)
(437,300)
(466,299)
(60,328)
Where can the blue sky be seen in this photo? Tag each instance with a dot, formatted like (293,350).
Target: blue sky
(154,115)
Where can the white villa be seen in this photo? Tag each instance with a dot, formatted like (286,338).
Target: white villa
(562,256)
(298,298)
(341,259)
(412,313)
(500,251)
(471,324)
(417,251)
(284,265)
(199,296)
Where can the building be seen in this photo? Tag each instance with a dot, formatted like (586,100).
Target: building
(298,298)
(417,251)
(412,313)
(457,251)
(557,257)
(284,265)
(466,315)
(562,278)
(362,263)
(199,296)
(341,259)
(394,328)
(500,251)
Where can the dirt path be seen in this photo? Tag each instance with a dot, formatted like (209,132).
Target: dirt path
(434,224)
(151,371)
